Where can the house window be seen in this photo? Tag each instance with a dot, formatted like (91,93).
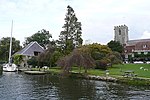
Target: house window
(144,46)
(139,53)
(36,53)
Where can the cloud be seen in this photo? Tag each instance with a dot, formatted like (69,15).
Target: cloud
(98,17)
(145,35)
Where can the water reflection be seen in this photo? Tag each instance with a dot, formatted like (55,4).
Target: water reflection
(19,86)
(64,88)
(70,89)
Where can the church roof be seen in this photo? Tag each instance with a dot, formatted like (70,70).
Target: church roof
(30,49)
(134,42)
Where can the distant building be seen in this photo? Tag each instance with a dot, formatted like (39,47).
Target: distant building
(134,50)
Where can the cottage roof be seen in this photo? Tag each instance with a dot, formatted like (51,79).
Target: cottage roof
(30,49)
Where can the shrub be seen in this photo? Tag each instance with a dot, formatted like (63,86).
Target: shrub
(33,61)
(102,64)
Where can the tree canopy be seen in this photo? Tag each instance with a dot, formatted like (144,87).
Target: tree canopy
(76,58)
(49,57)
(70,37)
(4,47)
(115,46)
(42,37)
(97,51)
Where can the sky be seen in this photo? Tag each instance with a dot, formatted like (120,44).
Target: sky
(98,18)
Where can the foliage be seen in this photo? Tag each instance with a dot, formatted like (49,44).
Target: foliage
(115,46)
(18,59)
(76,58)
(70,37)
(102,64)
(44,58)
(56,55)
(102,54)
(49,57)
(98,51)
(42,37)
(140,57)
(4,47)
(114,57)
(33,61)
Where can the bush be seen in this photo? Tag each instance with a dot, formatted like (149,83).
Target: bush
(101,64)
(33,61)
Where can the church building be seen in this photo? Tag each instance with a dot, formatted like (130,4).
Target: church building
(134,50)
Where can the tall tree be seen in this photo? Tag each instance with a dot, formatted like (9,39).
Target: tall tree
(115,46)
(42,37)
(4,47)
(70,37)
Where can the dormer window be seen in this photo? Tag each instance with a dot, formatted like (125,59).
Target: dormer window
(144,46)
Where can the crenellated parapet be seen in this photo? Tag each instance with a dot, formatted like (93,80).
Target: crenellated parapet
(121,34)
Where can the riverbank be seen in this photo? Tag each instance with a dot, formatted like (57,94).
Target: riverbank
(136,81)
(113,74)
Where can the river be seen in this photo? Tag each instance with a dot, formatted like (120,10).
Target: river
(19,86)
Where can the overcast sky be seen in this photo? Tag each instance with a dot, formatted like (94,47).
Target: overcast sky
(98,17)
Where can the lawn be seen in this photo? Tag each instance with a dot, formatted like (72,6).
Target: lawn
(144,72)
(115,70)
(118,70)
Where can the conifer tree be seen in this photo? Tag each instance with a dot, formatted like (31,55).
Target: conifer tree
(70,37)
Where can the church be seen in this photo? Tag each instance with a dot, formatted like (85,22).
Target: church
(134,50)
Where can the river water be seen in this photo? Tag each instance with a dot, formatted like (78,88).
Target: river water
(19,86)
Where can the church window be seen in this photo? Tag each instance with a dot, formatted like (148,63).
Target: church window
(144,46)
(119,32)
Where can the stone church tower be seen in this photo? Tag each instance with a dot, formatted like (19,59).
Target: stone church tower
(121,34)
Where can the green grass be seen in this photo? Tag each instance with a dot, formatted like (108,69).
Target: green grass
(119,69)
(115,70)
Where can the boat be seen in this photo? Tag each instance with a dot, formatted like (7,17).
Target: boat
(10,67)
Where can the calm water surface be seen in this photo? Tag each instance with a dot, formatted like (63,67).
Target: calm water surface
(19,86)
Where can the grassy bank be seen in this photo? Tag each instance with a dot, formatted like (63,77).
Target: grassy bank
(141,70)
(115,70)
(118,70)
(144,72)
